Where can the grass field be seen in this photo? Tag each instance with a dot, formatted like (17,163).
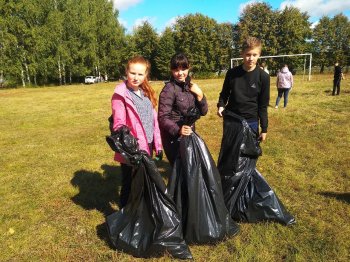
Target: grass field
(58,179)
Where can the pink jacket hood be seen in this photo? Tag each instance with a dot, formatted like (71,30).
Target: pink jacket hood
(285,70)
(124,112)
(284,78)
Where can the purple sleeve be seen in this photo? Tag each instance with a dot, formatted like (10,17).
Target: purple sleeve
(202,106)
(166,103)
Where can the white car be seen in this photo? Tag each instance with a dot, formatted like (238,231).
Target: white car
(90,79)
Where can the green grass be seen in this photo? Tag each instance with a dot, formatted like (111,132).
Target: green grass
(58,178)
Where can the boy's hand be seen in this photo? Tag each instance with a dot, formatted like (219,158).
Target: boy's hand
(220,109)
(262,137)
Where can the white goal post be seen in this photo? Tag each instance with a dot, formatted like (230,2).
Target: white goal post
(269,56)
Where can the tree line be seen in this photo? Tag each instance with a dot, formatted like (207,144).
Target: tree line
(61,41)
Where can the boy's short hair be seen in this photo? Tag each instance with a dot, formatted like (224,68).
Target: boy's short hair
(251,42)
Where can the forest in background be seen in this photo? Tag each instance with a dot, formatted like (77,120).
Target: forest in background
(44,42)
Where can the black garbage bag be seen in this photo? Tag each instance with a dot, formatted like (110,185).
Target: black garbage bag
(148,226)
(196,187)
(248,196)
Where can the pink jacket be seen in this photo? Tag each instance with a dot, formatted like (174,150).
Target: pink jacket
(284,78)
(125,113)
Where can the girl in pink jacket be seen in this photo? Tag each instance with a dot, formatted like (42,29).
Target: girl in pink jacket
(284,84)
(133,105)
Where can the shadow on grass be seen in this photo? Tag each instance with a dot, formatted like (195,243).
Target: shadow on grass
(345,197)
(97,190)
(102,233)
(100,191)
(342,91)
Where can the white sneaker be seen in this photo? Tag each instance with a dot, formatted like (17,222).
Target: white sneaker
(276,107)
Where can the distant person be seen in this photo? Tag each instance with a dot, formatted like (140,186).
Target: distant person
(284,83)
(338,76)
(264,67)
(133,105)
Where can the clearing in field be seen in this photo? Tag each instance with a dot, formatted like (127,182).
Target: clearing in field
(58,179)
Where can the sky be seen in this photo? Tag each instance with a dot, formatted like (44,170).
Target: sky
(163,13)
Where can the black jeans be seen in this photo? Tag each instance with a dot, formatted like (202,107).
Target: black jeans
(127,174)
(336,86)
(171,149)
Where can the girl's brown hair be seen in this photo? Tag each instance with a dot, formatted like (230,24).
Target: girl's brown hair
(145,86)
(178,61)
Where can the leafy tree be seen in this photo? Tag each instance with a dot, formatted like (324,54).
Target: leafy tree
(8,42)
(109,36)
(330,39)
(224,46)
(282,32)
(341,42)
(166,49)
(45,41)
(18,28)
(55,32)
(195,35)
(292,32)
(145,43)
(259,20)
(322,38)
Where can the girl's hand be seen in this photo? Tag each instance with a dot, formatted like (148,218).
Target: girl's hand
(197,91)
(185,130)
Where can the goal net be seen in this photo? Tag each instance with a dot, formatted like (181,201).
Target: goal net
(274,62)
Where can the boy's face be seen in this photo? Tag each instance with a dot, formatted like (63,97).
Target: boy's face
(250,57)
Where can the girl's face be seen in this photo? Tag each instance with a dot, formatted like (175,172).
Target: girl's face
(250,57)
(180,74)
(136,75)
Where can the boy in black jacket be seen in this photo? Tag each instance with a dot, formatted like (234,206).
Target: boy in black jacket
(246,89)
(338,76)
(243,104)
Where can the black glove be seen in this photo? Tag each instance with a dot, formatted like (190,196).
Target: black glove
(159,155)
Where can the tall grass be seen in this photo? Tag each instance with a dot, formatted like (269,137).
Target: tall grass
(58,179)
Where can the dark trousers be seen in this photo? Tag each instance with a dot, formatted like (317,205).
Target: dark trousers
(127,173)
(284,92)
(336,86)
(171,148)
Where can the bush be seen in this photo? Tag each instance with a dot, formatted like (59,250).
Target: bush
(205,75)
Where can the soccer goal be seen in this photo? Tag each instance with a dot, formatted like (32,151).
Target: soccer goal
(306,55)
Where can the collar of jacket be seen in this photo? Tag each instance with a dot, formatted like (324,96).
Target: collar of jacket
(122,90)
(184,85)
